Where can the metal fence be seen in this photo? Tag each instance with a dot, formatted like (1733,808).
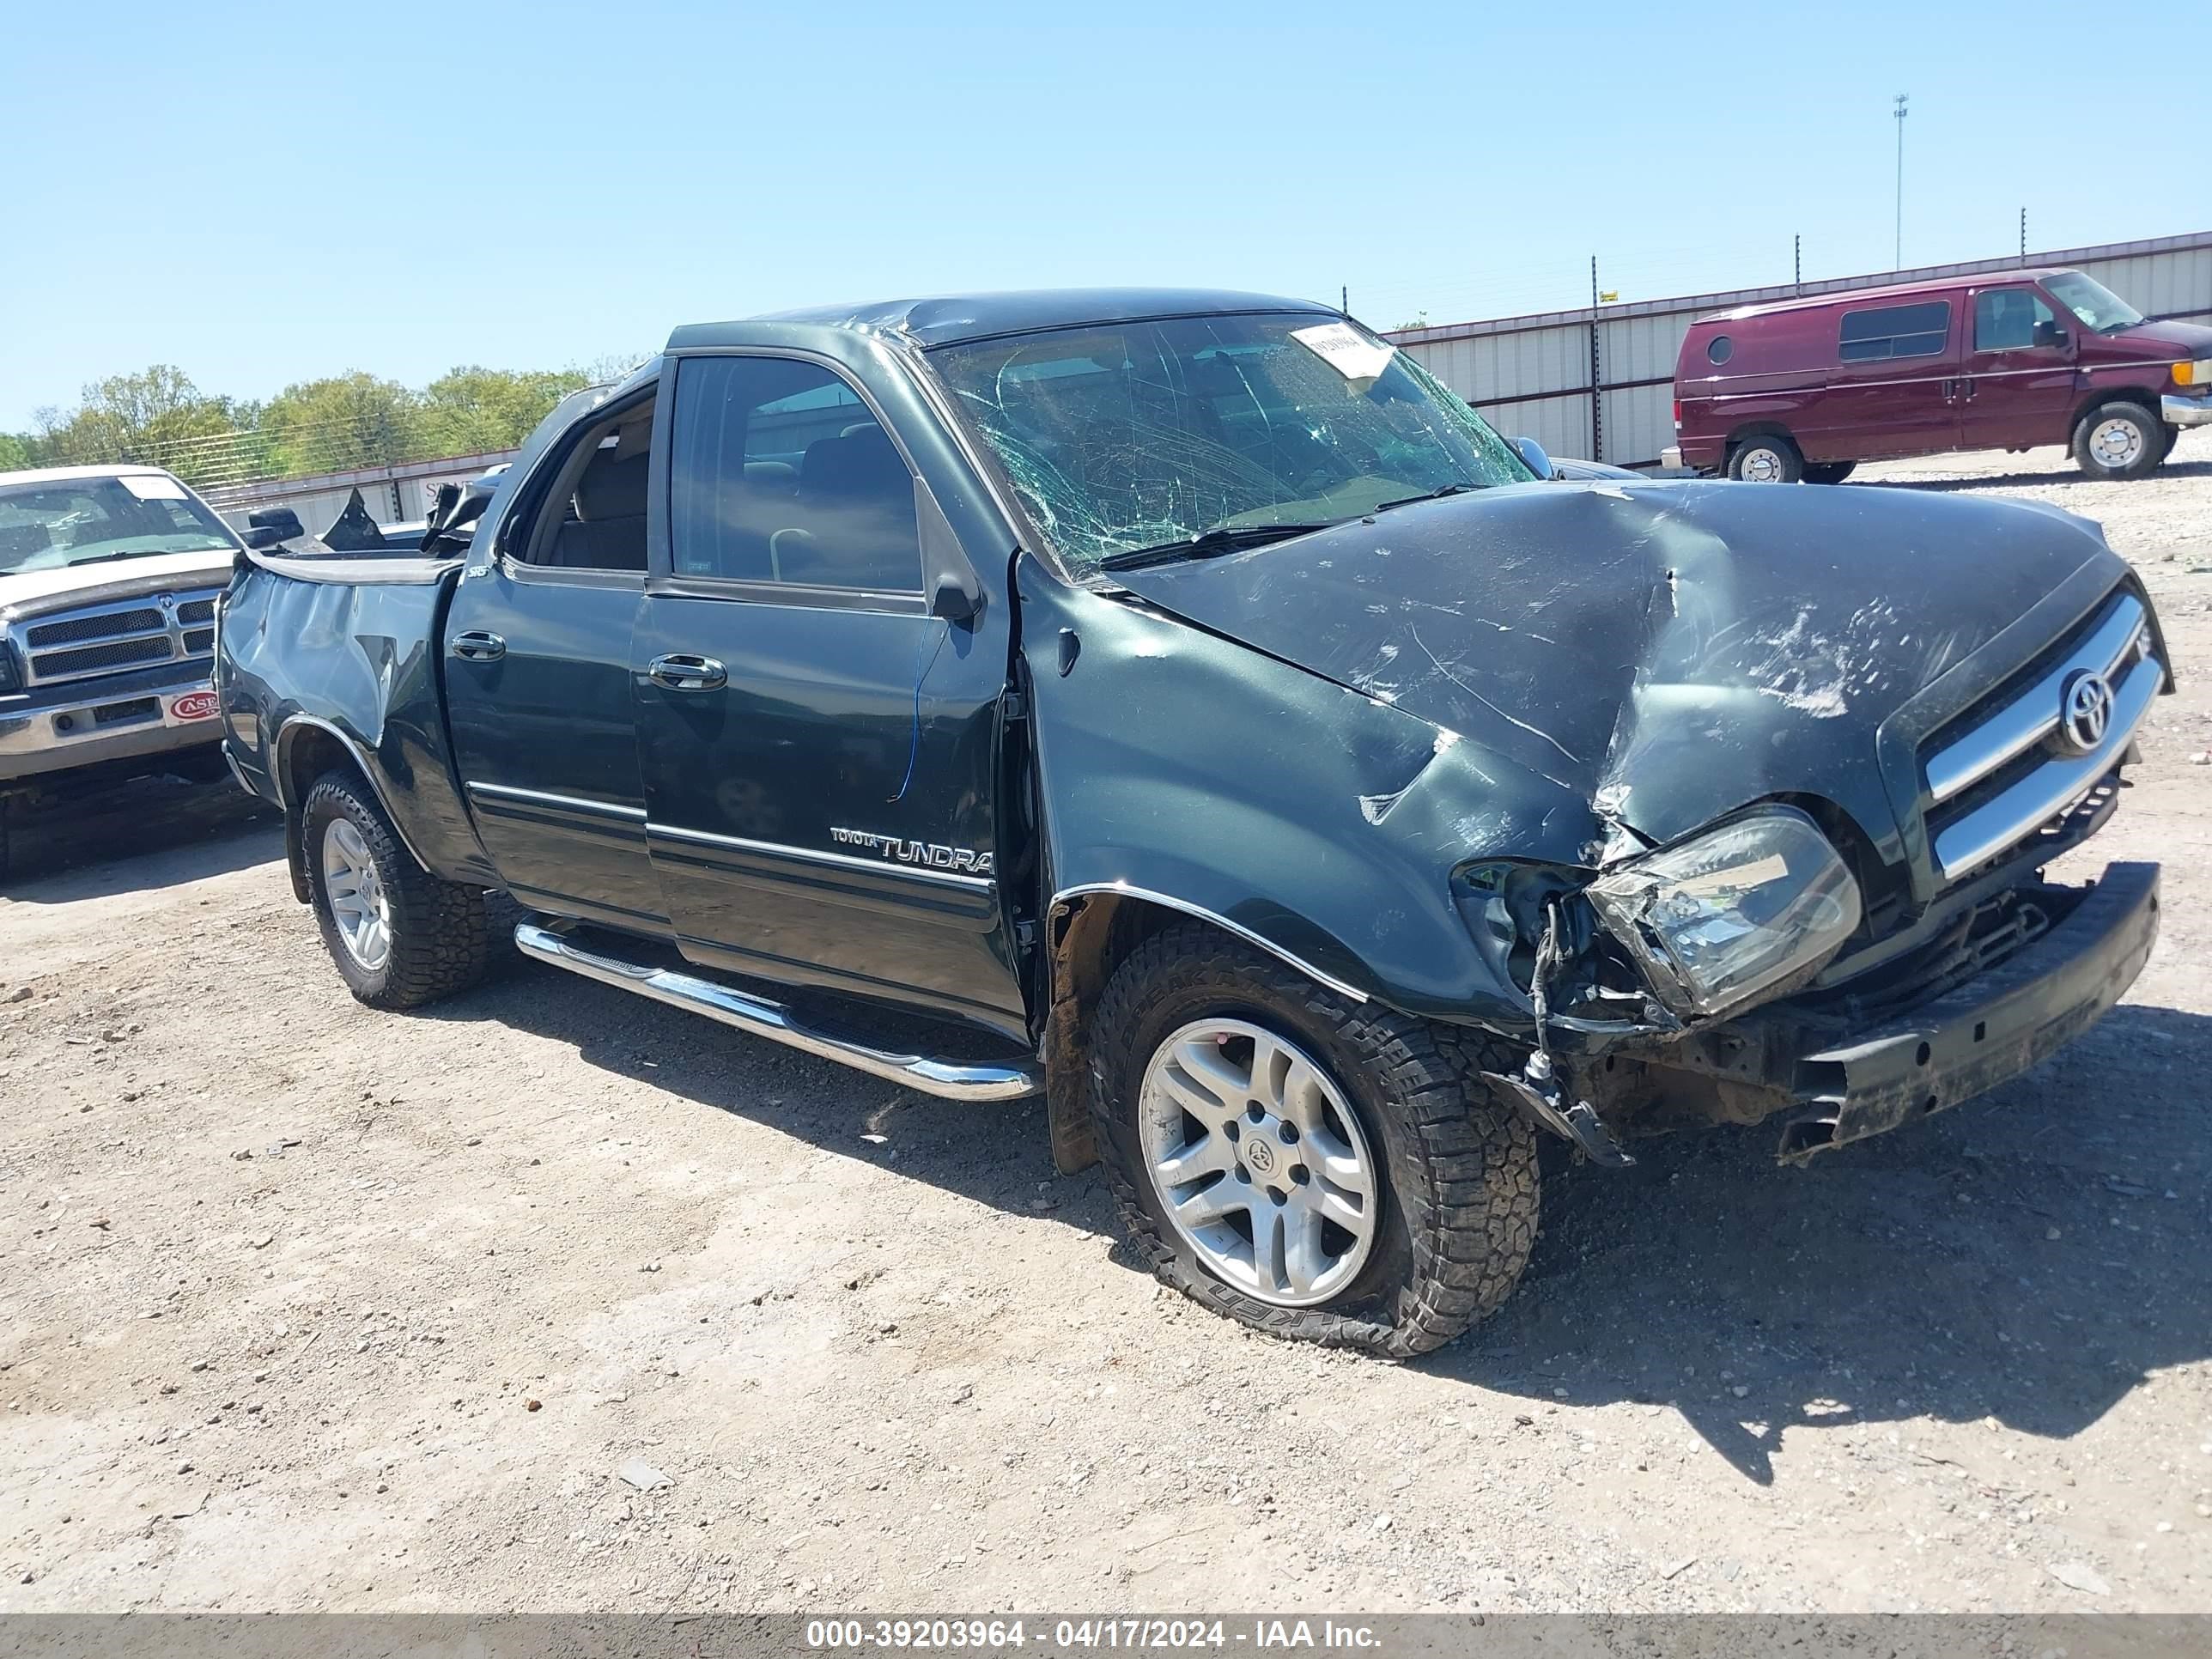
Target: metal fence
(1598,382)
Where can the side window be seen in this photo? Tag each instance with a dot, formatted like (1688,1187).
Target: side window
(1894,331)
(2010,320)
(592,516)
(780,473)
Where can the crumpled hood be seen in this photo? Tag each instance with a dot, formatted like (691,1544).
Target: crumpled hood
(1667,651)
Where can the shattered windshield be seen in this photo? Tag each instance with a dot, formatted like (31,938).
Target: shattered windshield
(43,526)
(1130,438)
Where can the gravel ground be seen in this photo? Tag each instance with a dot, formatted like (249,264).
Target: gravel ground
(303,1306)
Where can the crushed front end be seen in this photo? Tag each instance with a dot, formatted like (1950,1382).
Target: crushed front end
(1784,969)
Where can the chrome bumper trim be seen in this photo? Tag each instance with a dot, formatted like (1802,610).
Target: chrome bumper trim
(2177,410)
(35,732)
(1009,1081)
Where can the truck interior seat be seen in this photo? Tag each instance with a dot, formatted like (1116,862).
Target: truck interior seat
(855,512)
(608,532)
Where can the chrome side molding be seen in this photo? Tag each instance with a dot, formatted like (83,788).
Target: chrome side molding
(1009,1080)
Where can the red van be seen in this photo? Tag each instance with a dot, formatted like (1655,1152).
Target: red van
(1808,388)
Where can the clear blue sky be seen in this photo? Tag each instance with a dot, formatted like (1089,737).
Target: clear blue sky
(262,195)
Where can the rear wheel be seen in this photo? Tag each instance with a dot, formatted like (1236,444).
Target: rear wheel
(1315,1168)
(1768,458)
(2119,440)
(399,935)
(1828,471)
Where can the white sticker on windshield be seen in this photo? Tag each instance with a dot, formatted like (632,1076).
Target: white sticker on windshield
(153,487)
(1344,349)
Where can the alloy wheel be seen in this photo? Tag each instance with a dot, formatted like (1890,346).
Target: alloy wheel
(354,891)
(1258,1162)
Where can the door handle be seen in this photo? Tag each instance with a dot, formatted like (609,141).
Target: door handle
(681,671)
(479,646)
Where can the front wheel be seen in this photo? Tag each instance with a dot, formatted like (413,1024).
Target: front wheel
(399,935)
(1766,459)
(1828,471)
(1314,1167)
(2119,440)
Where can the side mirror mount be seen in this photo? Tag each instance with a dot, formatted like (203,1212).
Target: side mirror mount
(1533,452)
(956,594)
(272,526)
(2050,334)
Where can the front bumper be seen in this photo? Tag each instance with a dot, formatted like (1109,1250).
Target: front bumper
(1833,1080)
(101,720)
(2177,409)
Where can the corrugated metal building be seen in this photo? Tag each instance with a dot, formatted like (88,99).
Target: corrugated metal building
(1532,375)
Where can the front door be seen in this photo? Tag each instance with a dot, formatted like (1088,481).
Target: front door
(820,753)
(2017,380)
(539,645)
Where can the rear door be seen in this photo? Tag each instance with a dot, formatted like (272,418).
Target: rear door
(2017,380)
(537,650)
(820,754)
(1893,389)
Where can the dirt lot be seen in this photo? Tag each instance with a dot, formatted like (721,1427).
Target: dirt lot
(303,1306)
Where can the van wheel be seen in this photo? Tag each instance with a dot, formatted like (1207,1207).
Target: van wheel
(400,936)
(1314,1167)
(1766,461)
(2119,440)
(1828,471)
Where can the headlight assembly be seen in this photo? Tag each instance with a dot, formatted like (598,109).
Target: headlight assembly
(1714,922)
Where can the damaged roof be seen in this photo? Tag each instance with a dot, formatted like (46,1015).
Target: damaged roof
(946,320)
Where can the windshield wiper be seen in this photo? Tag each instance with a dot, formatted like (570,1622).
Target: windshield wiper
(105,558)
(1222,538)
(1435,494)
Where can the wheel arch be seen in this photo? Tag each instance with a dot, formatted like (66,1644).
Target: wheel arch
(1090,930)
(1751,429)
(2098,397)
(305,748)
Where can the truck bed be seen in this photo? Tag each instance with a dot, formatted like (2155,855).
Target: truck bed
(322,652)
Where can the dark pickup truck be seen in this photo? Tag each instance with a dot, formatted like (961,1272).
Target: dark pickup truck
(1195,712)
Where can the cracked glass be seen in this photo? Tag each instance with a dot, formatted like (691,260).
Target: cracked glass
(1126,437)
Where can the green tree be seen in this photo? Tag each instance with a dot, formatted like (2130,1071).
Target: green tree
(343,422)
(157,416)
(471,408)
(17,451)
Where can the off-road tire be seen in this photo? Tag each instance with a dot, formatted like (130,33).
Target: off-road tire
(1458,1209)
(2157,439)
(1790,464)
(440,933)
(1828,471)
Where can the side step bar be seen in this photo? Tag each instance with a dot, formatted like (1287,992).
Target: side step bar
(1008,1081)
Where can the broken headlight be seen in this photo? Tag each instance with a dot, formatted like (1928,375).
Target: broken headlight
(1744,908)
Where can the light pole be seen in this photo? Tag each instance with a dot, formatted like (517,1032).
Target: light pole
(1898,258)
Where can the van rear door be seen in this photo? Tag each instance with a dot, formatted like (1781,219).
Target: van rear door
(2017,380)
(1893,385)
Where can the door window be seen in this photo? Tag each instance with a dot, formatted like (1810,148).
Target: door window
(781,473)
(2011,319)
(1884,331)
(592,515)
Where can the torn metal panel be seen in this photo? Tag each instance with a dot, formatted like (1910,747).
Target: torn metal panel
(1318,819)
(1662,651)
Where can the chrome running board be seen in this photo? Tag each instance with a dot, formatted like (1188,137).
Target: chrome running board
(1009,1080)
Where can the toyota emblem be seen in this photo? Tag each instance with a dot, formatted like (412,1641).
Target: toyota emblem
(2085,710)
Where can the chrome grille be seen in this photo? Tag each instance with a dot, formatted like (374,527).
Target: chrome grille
(2008,773)
(109,638)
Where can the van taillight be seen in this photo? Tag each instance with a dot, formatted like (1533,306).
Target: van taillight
(1678,411)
